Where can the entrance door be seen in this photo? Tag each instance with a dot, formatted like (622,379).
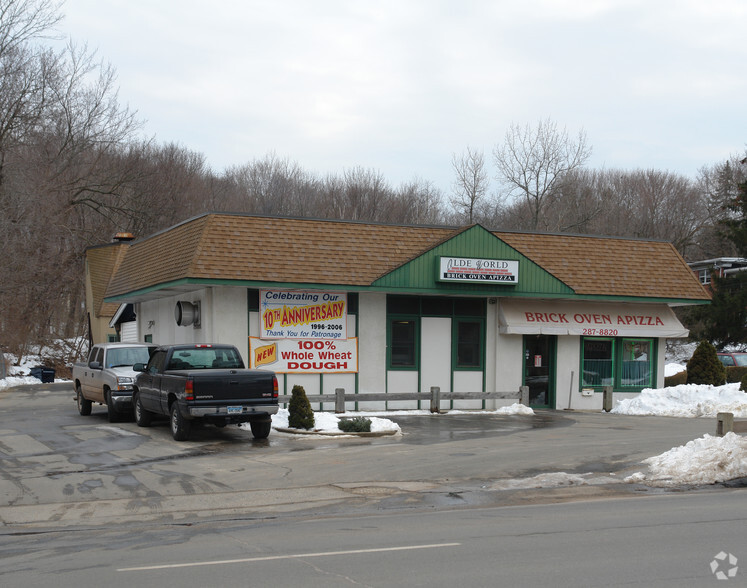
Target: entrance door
(539,370)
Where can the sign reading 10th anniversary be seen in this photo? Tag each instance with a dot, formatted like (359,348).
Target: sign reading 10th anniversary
(296,314)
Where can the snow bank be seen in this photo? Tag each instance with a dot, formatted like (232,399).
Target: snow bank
(707,460)
(672,369)
(686,400)
(12,381)
(328,422)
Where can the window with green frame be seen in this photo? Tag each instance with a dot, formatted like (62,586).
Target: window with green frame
(467,338)
(623,363)
(403,329)
(403,334)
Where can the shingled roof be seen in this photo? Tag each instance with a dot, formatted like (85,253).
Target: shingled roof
(103,262)
(243,248)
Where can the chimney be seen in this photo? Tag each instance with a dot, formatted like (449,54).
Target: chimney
(123,237)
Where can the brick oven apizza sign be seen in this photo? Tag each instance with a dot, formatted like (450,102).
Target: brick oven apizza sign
(480,271)
(588,319)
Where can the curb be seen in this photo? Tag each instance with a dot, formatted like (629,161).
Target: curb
(335,433)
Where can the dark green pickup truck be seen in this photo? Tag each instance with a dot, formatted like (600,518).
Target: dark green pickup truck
(203,383)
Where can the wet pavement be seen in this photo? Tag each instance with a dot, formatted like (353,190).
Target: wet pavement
(60,468)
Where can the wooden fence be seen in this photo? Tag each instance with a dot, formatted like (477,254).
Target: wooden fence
(434,397)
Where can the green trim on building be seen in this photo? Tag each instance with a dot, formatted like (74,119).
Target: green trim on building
(420,274)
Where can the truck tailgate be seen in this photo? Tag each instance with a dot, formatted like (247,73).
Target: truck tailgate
(221,386)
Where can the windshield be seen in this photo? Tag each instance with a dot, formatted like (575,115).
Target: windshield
(205,358)
(127,356)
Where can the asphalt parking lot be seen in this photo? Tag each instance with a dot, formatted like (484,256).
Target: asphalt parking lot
(59,468)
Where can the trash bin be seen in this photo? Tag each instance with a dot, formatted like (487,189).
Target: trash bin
(45,374)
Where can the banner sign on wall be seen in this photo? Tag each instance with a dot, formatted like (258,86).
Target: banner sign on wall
(304,356)
(487,271)
(588,319)
(297,314)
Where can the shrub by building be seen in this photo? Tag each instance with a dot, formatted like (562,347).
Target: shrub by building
(704,366)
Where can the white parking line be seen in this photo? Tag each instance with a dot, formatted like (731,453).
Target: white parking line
(288,556)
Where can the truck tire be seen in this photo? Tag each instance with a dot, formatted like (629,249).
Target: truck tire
(180,427)
(84,405)
(261,427)
(113,415)
(143,418)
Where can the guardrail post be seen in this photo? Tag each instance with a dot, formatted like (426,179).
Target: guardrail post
(607,398)
(339,400)
(524,395)
(724,423)
(435,399)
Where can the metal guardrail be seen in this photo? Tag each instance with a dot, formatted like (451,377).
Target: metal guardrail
(434,397)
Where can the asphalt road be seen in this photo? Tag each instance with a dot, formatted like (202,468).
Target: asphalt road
(58,468)
(87,503)
(670,540)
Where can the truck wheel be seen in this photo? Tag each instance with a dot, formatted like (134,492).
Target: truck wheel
(180,427)
(114,416)
(261,428)
(84,406)
(143,418)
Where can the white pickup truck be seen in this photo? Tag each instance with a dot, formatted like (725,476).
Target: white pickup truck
(107,377)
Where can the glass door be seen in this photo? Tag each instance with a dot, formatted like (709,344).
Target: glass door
(539,370)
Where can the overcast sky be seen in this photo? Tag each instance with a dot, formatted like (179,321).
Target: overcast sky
(400,86)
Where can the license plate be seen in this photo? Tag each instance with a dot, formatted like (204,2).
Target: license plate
(233,409)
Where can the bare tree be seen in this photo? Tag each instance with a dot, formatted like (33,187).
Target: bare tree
(532,162)
(470,183)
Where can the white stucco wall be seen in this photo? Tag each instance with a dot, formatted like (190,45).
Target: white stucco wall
(372,342)
(223,319)
(508,362)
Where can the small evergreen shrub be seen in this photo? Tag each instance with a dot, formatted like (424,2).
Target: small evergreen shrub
(705,367)
(300,415)
(743,384)
(676,379)
(355,425)
(735,373)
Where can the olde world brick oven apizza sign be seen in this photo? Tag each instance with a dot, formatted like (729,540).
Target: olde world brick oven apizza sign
(475,270)
(590,319)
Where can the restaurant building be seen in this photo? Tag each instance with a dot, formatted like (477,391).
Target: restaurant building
(377,308)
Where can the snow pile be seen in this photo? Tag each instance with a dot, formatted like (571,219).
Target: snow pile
(12,381)
(550,480)
(672,369)
(515,408)
(686,400)
(707,460)
(328,422)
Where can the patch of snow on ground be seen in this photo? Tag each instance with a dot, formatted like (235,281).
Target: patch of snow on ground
(12,381)
(686,400)
(707,460)
(328,422)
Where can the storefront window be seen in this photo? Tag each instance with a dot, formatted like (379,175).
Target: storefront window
(403,343)
(597,362)
(636,363)
(468,344)
(620,363)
